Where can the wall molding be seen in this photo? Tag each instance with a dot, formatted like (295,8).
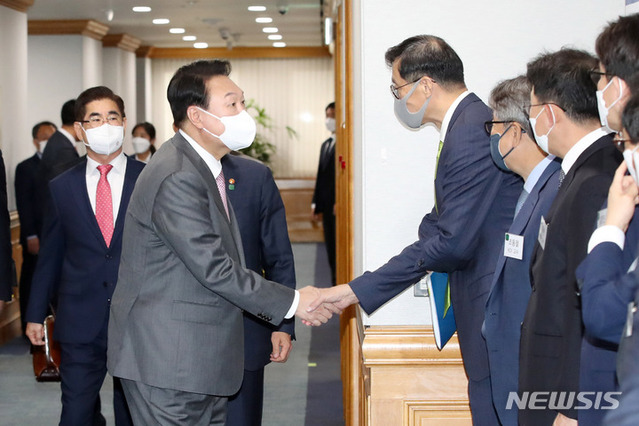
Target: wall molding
(236,52)
(122,41)
(19,5)
(86,27)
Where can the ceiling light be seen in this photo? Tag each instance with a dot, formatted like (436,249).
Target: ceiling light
(200,45)
(275,37)
(264,20)
(141,9)
(270,29)
(279,44)
(189,38)
(256,8)
(177,30)
(161,21)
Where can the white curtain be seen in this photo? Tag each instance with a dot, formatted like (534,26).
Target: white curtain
(294,92)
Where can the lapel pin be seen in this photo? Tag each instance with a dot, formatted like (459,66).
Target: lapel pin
(231,184)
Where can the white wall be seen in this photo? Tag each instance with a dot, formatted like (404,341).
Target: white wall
(495,39)
(294,92)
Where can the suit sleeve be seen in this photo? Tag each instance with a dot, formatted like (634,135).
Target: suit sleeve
(47,273)
(25,194)
(447,236)
(183,219)
(277,255)
(6,259)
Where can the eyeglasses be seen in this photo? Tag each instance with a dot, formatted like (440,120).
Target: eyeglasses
(395,89)
(527,107)
(97,120)
(488,125)
(620,142)
(596,75)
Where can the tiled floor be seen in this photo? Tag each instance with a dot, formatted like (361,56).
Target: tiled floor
(24,402)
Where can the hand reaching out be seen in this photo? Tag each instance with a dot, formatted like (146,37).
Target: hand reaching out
(622,198)
(339,296)
(320,313)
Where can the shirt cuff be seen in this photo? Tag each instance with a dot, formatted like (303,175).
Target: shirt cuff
(607,233)
(293,308)
(31,237)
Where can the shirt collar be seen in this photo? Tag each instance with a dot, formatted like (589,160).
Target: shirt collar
(534,176)
(118,163)
(212,163)
(449,114)
(68,135)
(577,149)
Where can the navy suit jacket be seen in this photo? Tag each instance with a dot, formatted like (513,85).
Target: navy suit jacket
(260,215)
(324,194)
(552,330)
(476,202)
(59,155)
(6,260)
(510,291)
(27,198)
(74,262)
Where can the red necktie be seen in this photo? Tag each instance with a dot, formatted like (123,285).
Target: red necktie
(221,187)
(104,204)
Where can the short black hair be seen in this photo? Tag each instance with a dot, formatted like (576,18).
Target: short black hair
(618,47)
(148,128)
(630,118)
(188,86)
(329,106)
(95,94)
(68,113)
(564,78)
(427,55)
(36,128)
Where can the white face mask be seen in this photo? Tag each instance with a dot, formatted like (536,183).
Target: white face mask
(631,157)
(42,145)
(239,130)
(140,144)
(105,139)
(542,140)
(601,105)
(330,124)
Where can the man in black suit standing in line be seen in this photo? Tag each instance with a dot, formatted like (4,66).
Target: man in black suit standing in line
(324,195)
(60,152)
(6,273)
(565,121)
(30,211)
(261,217)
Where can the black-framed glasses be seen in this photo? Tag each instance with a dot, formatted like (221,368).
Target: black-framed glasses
(596,75)
(395,89)
(97,120)
(527,107)
(488,125)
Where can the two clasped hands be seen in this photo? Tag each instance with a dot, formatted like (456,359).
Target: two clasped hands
(317,305)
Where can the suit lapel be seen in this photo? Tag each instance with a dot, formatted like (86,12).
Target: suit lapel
(127,189)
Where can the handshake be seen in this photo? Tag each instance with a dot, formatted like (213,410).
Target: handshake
(317,305)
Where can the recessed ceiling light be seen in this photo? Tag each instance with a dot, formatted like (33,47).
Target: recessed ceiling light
(177,30)
(189,38)
(141,9)
(275,37)
(270,29)
(200,45)
(161,21)
(279,44)
(257,8)
(264,20)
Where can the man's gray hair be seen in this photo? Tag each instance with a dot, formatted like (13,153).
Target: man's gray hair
(509,100)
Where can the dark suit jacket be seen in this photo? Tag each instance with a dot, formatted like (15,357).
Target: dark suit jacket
(59,155)
(509,294)
(27,199)
(6,260)
(176,320)
(74,262)
(260,215)
(476,202)
(324,194)
(552,329)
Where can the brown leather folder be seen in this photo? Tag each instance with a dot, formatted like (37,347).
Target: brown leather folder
(46,359)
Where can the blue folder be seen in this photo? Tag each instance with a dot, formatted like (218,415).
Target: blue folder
(444,325)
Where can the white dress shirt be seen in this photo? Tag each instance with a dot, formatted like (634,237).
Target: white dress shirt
(115,178)
(449,114)
(216,167)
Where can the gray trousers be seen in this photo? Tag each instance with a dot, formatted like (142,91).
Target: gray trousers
(157,406)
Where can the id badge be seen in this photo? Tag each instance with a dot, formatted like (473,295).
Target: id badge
(514,246)
(543,230)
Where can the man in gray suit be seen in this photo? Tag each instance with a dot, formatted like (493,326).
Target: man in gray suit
(176,330)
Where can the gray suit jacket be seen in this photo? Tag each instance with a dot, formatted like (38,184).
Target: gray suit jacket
(176,321)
